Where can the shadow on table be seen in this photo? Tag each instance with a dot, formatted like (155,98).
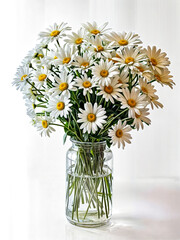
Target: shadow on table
(128,228)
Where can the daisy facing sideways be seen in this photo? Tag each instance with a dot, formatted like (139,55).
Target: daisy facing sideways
(59,106)
(64,55)
(123,39)
(140,118)
(75,38)
(43,125)
(54,32)
(147,88)
(21,76)
(158,59)
(91,117)
(133,101)
(123,79)
(104,71)
(164,78)
(154,102)
(94,29)
(98,47)
(119,134)
(83,62)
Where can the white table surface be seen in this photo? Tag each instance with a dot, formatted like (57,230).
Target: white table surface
(147,209)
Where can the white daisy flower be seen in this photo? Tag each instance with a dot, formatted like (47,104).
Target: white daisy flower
(123,79)
(64,55)
(94,29)
(144,71)
(59,106)
(35,53)
(75,38)
(43,63)
(30,108)
(164,78)
(85,83)
(43,125)
(92,117)
(129,58)
(54,32)
(28,93)
(104,71)
(52,57)
(83,62)
(63,84)
(133,101)
(40,76)
(158,59)
(111,91)
(22,74)
(119,134)
(154,102)
(141,118)
(147,88)
(98,48)
(123,39)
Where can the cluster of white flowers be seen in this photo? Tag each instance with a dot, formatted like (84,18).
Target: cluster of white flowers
(95,80)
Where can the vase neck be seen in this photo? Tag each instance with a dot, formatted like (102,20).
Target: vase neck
(96,146)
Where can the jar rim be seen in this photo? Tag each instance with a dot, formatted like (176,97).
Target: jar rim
(87,143)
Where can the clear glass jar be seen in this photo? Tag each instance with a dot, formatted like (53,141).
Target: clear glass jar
(89,183)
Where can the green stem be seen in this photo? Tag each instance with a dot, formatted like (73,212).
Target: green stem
(34,87)
(106,126)
(152,81)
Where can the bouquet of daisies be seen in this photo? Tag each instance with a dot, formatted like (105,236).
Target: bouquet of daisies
(98,85)
(95,83)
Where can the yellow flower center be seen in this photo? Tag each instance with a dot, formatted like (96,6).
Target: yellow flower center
(144,89)
(119,133)
(55,57)
(157,77)
(22,78)
(99,48)
(95,31)
(55,33)
(108,89)
(42,77)
(120,81)
(131,102)
(137,115)
(33,105)
(40,55)
(44,123)
(104,73)
(123,42)
(153,61)
(129,59)
(85,64)
(91,117)
(60,106)
(87,84)
(141,69)
(66,60)
(63,86)
(79,40)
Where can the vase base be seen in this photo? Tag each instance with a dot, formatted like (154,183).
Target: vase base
(88,224)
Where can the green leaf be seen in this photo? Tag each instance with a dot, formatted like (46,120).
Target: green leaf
(86,135)
(65,137)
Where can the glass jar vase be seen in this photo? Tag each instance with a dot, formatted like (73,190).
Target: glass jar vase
(89,183)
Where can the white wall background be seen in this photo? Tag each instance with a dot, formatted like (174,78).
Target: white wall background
(32,166)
